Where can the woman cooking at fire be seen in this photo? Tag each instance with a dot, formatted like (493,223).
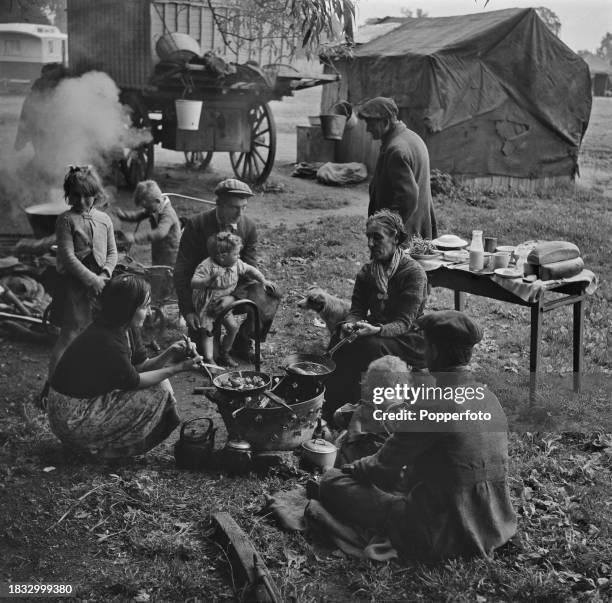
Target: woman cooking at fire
(107,398)
(389,295)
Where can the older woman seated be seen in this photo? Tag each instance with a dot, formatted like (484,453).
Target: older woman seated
(107,397)
(457,502)
(389,295)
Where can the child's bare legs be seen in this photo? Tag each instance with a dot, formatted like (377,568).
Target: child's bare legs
(207,346)
(231,330)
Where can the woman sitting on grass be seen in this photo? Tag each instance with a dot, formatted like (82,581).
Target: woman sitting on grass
(107,398)
(389,295)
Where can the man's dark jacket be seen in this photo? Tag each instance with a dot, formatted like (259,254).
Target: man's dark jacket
(193,250)
(401,181)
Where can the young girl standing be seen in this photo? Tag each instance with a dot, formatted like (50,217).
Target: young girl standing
(86,257)
(216,277)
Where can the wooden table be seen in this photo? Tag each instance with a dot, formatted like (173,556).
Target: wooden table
(462,281)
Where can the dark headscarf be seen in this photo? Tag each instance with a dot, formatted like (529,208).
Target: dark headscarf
(393,224)
(390,221)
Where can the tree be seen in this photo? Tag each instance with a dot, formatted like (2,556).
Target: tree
(284,25)
(605,48)
(550,19)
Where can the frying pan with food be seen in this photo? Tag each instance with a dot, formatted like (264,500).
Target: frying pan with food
(229,383)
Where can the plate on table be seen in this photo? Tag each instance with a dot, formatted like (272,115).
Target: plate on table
(428,265)
(449,242)
(428,256)
(508,273)
(506,248)
(459,255)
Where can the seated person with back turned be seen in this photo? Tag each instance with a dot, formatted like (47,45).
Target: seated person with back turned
(457,503)
(389,295)
(165,232)
(107,398)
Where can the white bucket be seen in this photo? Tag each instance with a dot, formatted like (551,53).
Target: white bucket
(188,114)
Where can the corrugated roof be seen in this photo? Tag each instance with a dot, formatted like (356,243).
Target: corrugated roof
(427,35)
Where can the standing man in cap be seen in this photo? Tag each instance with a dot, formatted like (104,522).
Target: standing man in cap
(228,216)
(457,502)
(401,178)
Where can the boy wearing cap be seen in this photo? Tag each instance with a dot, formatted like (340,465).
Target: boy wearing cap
(401,177)
(458,503)
(228,216)
(165,231)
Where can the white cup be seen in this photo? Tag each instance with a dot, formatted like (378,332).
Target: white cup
(501,259)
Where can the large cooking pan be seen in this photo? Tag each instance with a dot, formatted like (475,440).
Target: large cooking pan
(313,367)
(42,218)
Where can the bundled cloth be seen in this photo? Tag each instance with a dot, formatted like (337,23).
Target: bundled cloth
(306,169)
(553,260)
(340,174)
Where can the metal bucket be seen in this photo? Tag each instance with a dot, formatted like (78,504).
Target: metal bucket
(188,114)
(333,126)
(273,428)
(345,108)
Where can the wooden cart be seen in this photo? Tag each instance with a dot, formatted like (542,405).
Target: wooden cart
(120,39)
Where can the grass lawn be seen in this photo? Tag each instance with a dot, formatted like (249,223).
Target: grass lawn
(141,529)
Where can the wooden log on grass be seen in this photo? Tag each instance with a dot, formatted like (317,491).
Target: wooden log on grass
(247,564)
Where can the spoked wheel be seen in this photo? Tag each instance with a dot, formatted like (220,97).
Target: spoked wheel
(139,162)
(256,164)
(198,159)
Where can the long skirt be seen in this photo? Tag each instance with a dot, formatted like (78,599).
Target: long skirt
(117,424)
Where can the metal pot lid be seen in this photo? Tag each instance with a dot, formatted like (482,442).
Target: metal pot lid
(238,445)
(318,445)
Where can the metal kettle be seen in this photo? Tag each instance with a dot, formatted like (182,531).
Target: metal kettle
(237,457)
(193,450)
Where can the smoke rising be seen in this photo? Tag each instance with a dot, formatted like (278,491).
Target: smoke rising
(80,121)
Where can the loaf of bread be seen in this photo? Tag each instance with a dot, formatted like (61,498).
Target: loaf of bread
(550,252)
(564,269)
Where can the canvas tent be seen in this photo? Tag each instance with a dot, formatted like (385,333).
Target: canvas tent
(493,93)
(601,75)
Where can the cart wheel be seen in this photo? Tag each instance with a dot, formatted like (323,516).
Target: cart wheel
(198,159)
(256,164)
(139,161)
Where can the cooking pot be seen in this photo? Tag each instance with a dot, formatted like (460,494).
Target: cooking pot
(193,450)
(319,453)
(42,218)
(274,427)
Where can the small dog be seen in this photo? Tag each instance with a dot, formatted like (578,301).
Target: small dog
(330,308)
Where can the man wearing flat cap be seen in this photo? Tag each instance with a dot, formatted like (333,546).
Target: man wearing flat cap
(438,487)
(228,216)
(401,178)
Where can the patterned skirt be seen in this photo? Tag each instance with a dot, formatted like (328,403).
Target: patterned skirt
(117,424)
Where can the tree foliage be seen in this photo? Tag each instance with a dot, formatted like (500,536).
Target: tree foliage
(285,25)
(550,18)
(605,48)
(419,13)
